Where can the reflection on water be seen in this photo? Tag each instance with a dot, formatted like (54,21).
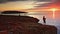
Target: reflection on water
(53,15)
(51,18)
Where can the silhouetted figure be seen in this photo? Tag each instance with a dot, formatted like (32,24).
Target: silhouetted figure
(44,19)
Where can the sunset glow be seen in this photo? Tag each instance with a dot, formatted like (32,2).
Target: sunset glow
(53,10)
(30,16)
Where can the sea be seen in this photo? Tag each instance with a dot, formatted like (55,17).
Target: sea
(51,18)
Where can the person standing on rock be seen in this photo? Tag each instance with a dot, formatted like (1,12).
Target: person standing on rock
(44,19)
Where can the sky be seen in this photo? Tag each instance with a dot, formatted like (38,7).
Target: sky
(28,5)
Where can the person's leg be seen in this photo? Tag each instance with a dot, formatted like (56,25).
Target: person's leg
(44,22)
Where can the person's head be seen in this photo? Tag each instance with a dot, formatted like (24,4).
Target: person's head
(44,16)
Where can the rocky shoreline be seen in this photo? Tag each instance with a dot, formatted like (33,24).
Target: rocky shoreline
(24,25)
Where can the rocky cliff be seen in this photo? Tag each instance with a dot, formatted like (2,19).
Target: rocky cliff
(24,25)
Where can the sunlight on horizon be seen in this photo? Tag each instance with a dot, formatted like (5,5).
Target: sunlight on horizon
(53,10)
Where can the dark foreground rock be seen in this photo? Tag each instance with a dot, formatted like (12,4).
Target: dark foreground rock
(24,25)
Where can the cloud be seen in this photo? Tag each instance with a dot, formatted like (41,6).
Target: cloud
(41,4)
(18,5)
(16,0)
(3,1)
(29,0)
(43,0)
(22,4)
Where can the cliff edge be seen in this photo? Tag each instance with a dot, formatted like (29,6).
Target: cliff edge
(24,25)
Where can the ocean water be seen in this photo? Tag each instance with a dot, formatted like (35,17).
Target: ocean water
(51,18)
